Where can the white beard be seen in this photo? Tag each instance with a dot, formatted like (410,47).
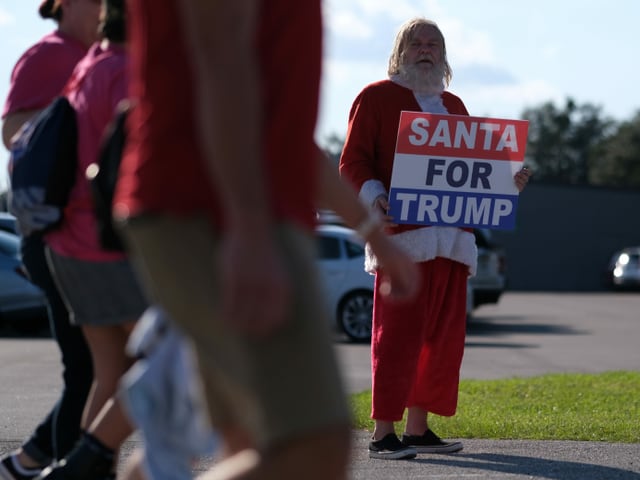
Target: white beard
(423,81)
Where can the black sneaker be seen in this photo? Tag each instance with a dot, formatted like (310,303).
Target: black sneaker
(89,459)
(10,469)
(390,448)
(60,471)
(429,442)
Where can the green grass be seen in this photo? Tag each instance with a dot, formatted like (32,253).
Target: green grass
(600,407)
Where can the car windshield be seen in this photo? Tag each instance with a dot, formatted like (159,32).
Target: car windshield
(354,250)
(328,247)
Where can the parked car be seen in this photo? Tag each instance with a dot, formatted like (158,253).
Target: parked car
(8,222)
(348,288)
(623,270)
(490,279)
(22,304)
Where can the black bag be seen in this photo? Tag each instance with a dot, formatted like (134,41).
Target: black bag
(103,177)
(42,167)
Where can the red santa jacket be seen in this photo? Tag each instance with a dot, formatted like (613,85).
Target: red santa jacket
(367,163)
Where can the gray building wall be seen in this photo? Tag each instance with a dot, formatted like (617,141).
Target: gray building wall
(565,236)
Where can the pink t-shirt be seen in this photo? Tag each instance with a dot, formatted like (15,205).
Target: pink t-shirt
(98,84)
(42,71)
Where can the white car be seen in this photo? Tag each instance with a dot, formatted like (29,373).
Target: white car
(348,288)
(22,303)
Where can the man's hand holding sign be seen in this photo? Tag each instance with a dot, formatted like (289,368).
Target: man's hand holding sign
(457,170)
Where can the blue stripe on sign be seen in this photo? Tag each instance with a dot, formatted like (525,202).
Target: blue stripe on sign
(454,209)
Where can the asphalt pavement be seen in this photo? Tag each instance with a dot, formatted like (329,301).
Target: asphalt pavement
(526,334)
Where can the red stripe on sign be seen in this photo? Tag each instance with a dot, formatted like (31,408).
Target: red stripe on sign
(462,136)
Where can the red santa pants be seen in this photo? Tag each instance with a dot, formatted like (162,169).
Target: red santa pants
(417,346)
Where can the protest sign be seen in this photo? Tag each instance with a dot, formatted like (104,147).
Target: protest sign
(456,170)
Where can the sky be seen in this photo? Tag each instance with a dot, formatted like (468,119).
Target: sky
(506,55)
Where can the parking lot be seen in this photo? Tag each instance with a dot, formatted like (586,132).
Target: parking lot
(525,334)
(528,334)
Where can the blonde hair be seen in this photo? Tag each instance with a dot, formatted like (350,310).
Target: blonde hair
(405,35)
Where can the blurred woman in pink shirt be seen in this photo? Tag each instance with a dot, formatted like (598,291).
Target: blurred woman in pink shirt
(38,77)
(98,285)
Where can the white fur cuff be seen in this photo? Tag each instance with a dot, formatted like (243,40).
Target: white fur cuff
(370,190)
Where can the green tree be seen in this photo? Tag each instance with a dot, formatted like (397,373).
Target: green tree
(332,146)
(616,160)
(561,141)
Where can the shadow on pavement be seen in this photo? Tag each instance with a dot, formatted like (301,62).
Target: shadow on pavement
(507,325)
(532,466)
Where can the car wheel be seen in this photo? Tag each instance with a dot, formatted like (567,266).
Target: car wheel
(355,314)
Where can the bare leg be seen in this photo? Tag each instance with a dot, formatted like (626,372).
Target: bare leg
(104,417)
(382,428)
(96,453)
(107,345)
(112,425)
(416,421)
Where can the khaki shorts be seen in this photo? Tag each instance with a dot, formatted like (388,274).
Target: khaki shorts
(283,385)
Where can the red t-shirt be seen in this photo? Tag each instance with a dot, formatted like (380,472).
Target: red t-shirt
(163,168)
(42,71)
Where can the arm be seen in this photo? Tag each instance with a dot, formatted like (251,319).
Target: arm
(400,274)
(220,37)
(360,150)
(37,78)
(12,123)
(220,42)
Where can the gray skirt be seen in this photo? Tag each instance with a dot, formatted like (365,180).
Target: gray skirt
(97,293)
